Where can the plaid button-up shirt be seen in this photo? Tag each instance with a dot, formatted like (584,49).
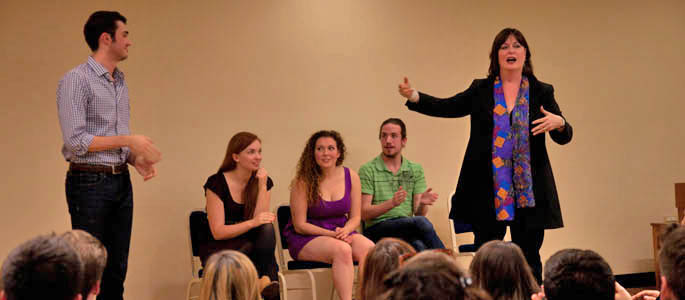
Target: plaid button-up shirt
(90,104)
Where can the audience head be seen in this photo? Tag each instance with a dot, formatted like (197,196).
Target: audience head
(393,137)
(578,274)
(324,149)
(45,267)
(382,259)
(244,151)
(501,269)
(672,264)
(431,275)
(229,275)
(93,256)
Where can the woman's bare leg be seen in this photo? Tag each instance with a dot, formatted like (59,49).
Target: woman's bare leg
(337,253)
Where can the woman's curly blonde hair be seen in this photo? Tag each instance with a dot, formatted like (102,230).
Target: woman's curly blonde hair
(308,171)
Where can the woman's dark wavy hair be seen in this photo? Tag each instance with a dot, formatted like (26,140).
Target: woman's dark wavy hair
(308,172)
(502,37)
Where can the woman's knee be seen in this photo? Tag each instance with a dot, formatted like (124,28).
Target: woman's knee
(341,251)
(265,236)
(266,230)
(361,247)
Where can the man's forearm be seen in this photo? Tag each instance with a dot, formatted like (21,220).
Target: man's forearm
(101,143)
(371,211)
(421,210)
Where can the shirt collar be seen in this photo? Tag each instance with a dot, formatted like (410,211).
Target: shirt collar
(100,70)
(380,164)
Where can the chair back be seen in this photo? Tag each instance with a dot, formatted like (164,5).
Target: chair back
(457,227)
(282,219)
(283,216)
(199,233)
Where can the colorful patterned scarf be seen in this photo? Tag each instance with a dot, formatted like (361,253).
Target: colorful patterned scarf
(511,153)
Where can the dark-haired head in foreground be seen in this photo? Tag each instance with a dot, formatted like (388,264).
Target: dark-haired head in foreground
(45,267)
(572,274)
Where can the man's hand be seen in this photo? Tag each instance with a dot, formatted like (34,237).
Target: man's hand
(428,197)
(646,295)
(399,197)
(622,294)
(538,296)
(145,169)
(141,145)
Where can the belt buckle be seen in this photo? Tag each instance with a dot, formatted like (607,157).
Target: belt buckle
(114,170)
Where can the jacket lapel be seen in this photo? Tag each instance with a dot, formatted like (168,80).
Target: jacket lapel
(533,100)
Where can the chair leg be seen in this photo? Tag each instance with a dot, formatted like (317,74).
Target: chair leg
(192,283)
(313,283)
(333,292)
(283,286)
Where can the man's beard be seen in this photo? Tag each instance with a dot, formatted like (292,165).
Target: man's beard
(391,155)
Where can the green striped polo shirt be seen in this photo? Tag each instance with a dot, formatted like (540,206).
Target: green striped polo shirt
(378,181)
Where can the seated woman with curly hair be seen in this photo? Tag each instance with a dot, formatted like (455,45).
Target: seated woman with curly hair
(326,209)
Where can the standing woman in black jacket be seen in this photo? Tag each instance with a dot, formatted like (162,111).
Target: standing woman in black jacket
(506,177)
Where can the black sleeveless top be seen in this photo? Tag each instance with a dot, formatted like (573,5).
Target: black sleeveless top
(233,211)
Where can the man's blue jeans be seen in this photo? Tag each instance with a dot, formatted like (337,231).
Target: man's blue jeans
(102,204)
(418,231)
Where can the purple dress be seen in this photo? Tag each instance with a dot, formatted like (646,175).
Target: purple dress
(325,214)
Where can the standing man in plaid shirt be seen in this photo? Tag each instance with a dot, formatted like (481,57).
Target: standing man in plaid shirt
(94,112)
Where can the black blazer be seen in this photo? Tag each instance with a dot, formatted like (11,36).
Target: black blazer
(473,201)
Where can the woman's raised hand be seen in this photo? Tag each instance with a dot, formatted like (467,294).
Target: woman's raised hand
(261,175)
(407,91)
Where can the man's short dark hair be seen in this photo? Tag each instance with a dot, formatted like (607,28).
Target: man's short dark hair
(45,267)
(578,274)
(99,22)
(672,260)
(397,122)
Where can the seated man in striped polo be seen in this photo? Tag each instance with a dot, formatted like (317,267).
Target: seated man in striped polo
(395,198)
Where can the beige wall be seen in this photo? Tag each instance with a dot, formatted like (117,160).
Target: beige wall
(198,73)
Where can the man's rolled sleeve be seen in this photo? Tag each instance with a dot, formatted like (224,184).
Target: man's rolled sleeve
(71,107)
(366,178)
